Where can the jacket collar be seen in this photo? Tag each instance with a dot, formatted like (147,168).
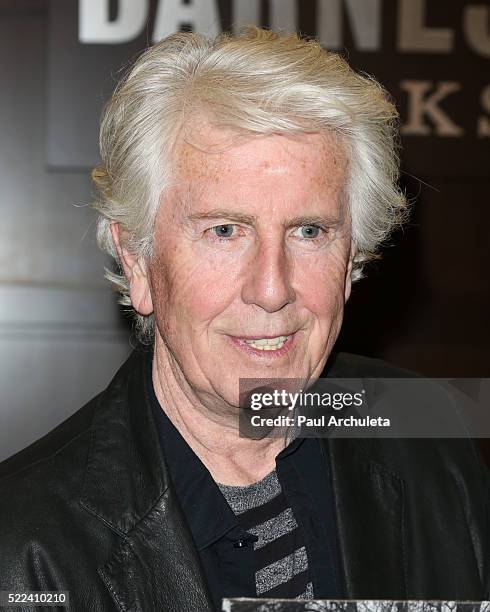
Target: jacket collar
(127,486)
(125,474)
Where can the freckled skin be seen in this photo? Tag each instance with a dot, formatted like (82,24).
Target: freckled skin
(266,279)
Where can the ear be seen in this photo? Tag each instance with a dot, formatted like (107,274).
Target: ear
(348,274)
(136,272)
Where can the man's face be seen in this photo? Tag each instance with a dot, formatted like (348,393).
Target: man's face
(252,248)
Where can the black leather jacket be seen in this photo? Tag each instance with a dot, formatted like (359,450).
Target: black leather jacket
(89,509)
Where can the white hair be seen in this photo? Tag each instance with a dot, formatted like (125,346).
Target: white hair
(258,82)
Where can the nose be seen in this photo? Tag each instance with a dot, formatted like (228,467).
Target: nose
(268,281)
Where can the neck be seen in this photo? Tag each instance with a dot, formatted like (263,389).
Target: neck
(211,430)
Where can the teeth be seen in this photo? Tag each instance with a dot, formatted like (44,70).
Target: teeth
(268,344)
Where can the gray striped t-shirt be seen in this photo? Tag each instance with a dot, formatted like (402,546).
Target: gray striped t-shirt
(281,562)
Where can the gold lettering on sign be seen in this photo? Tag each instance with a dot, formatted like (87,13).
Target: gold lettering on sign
(421,104)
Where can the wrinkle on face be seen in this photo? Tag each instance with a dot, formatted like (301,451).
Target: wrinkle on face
(203,162)
(198,289)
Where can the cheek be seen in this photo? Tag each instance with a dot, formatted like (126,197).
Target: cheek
(190,293)
(323,285)
(326,306)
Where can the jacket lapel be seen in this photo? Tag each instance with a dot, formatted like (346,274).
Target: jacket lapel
(156,566)
(370,519)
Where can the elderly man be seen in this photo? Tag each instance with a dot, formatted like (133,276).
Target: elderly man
(244,182)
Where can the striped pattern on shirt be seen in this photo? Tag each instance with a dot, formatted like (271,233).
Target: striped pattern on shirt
(281,562)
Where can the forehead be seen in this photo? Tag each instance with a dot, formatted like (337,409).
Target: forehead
(214,164)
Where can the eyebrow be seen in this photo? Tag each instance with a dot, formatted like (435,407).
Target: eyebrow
(221,213)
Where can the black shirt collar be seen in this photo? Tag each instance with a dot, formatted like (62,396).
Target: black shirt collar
(207,512)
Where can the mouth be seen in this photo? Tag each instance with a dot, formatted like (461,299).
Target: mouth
(266,346)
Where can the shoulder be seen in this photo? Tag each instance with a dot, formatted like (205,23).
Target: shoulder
(59,441)
(419,461)
(39,485)
(39,489)
(67,443)
(41,494)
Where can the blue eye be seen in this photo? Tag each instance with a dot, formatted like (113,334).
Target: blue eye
(224,231)
(310,231)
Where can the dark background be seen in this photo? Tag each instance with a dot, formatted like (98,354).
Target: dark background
(423,307)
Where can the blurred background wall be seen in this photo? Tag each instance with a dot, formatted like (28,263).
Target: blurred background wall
(424,307)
